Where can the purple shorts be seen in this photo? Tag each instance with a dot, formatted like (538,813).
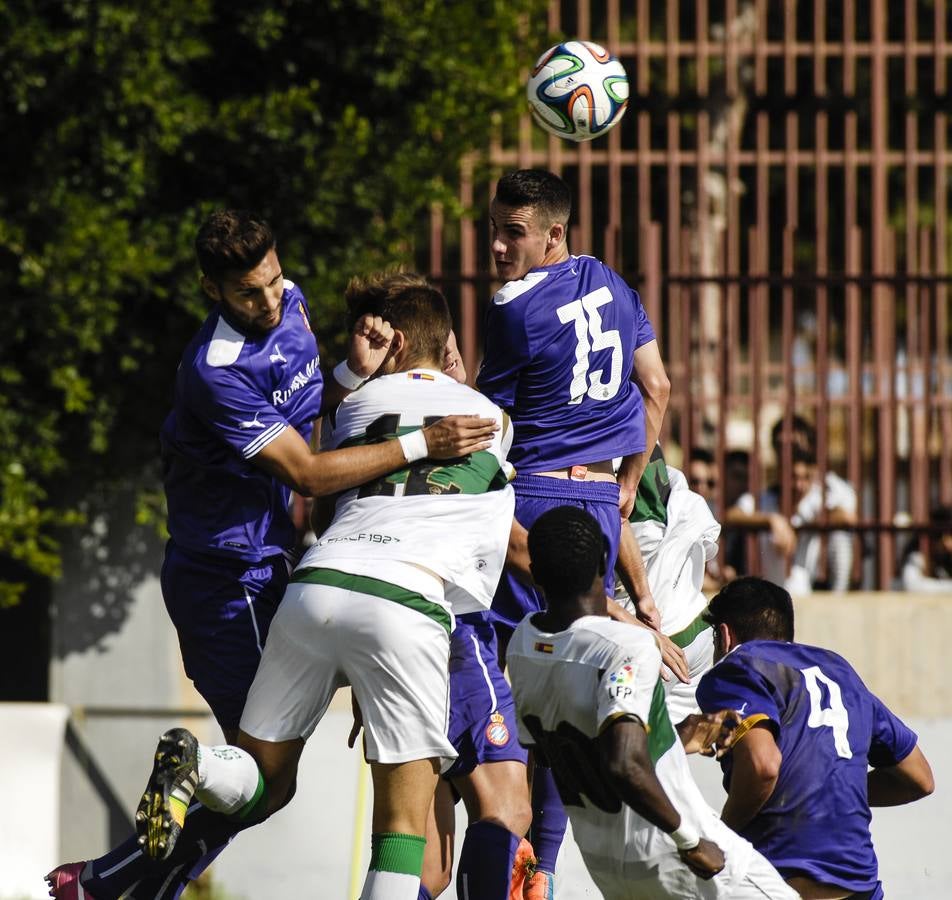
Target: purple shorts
(222,610)
(482,712)
(535,494)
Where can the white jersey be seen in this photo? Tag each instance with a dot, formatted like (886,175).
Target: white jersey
(568,688)
(451,518)
(676,552)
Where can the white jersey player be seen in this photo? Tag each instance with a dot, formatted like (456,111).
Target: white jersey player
(677,535)
(589,700)
(371,605)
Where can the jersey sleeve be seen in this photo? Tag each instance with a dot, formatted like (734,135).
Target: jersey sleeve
(505,354)
(891,741)
(234,409)
(732,684)
(644,332)
(627,685)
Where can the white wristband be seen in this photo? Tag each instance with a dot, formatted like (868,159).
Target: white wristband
(685,837)
(413,445)
(346,378)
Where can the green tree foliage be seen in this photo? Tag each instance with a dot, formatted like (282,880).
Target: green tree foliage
(124,123)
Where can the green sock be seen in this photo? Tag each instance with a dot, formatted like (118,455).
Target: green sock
(396,861)
(257,806)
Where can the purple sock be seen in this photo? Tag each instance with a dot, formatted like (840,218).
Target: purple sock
(548,818)
(424,894)
(485,862)
(205,835)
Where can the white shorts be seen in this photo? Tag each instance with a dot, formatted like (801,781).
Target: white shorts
(761,881)
(747,874)
(395,657)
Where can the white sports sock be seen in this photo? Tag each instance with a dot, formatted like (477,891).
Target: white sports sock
(390,886)
(228,778)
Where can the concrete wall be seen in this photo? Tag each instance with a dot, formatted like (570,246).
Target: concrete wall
(123,653)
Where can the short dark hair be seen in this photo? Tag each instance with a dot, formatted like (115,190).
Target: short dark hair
(538,188)
(232,240)
(701,454)
(408,302)
(737,456)
(803,433)
(755,609)
(567,551)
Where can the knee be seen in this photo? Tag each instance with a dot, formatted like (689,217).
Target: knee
(512,811)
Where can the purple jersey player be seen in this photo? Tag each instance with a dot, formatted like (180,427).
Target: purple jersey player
(798,774)
(235,444)
(567,347)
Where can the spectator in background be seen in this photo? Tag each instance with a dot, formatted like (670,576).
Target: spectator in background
(930,573)
(787,558)
(734,541)
(702,476)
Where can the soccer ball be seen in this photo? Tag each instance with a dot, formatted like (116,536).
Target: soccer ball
(577,90)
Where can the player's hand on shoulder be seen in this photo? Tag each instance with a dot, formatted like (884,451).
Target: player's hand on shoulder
(369,345)
(705,860)
(710,734)
(454,436)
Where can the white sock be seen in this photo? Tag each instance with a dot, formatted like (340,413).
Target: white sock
(390,886)
(228,778)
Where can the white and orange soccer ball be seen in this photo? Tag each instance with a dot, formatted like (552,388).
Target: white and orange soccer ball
(577,90)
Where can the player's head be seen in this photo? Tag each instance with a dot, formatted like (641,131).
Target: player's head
(567,554)
(749,609)
(702,473)
(416,310)
(237,254)
(529,217)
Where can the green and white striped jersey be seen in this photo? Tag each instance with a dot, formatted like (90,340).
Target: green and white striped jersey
(451,518)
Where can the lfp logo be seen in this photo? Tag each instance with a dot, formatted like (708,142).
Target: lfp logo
(618,682)
(625,675)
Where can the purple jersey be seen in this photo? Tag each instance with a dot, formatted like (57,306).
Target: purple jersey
(559,347)
(234,394)
(829,729)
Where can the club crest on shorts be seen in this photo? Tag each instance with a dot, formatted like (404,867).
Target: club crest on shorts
(496,731)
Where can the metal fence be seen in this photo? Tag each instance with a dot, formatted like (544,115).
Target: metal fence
(778,192)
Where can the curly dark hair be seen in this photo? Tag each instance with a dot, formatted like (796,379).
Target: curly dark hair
(567,550)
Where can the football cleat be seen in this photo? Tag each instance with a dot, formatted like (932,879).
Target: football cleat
(523,867)
(541,886)
(64,882)
(161,813)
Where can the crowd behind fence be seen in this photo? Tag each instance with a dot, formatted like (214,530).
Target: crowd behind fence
(778,192)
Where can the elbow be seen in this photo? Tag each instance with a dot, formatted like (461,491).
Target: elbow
(925,784)
(658,389)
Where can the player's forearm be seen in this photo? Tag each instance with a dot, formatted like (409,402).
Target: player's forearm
(631,774)
(754,774)
(517,553)
(743,803)
(630,566)
(331,471)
